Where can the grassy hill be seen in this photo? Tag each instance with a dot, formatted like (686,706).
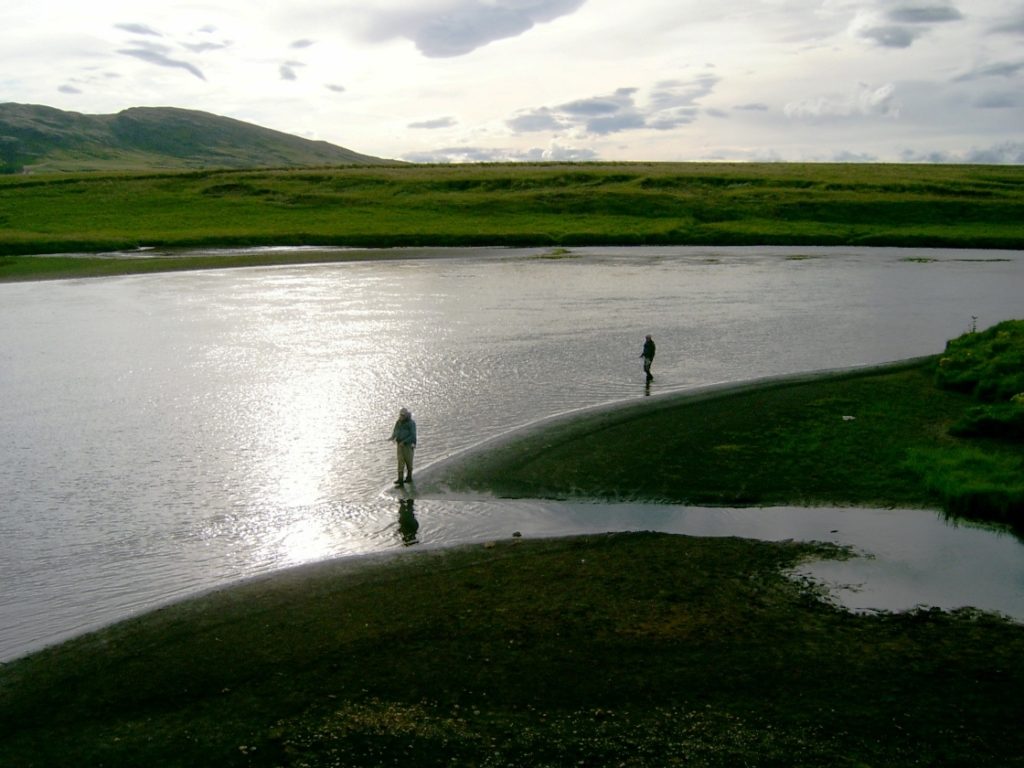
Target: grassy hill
(42,139)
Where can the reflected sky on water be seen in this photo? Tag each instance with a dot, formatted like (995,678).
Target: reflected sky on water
(166,434)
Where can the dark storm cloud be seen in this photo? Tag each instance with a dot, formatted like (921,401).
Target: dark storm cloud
(462,26)
(69,89)
(335,87)
(158,55)
(302,44)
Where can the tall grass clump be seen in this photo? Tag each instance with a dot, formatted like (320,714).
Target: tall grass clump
(983,475)
(988,364)
(974,483)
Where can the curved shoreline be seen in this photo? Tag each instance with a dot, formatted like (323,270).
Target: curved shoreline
(433,479)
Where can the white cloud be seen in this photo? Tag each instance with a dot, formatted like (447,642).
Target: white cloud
(865,101)
(553,153)
(440,122)
(542,119)
(205,46)
(1010,25)
(138,29)
(288,70)
(668,104)
(1003,69)
(1005,153)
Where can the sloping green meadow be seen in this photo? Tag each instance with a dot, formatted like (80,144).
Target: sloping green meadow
(516,204)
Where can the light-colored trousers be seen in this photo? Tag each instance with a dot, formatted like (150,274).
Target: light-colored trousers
(405,453)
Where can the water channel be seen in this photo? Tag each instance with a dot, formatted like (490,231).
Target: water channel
(169,434)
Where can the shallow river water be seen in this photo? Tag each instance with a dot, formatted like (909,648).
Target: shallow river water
(168,434)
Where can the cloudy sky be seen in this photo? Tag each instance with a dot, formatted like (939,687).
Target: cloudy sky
(483,80)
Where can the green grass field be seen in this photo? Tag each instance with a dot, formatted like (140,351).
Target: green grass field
(543,205)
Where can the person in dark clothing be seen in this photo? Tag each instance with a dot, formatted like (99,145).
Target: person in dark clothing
(648,356)
(404,435)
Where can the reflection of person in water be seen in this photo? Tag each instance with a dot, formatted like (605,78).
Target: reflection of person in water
(407,522)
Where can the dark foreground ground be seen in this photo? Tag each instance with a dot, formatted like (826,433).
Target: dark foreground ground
(618,650)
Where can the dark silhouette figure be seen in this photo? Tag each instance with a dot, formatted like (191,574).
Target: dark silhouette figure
(648,356)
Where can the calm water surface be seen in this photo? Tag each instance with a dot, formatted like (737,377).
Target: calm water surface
(171,433)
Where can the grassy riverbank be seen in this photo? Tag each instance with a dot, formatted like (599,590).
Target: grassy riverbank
(632,650)
(904,435)
(548,205)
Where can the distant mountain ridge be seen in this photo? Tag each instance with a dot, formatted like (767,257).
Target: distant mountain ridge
(36,138)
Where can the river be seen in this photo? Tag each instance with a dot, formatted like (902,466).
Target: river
(168,434)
